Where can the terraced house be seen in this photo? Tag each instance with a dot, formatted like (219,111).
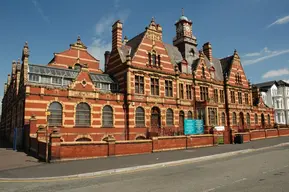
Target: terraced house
(147,88)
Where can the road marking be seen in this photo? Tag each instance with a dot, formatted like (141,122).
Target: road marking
(219,186)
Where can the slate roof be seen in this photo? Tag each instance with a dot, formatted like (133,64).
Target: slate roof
(283,83)
(265,85)
(174,54)
(101,78)
(226,63)
(52,71)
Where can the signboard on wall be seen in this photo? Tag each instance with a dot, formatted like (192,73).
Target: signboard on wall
(193,127)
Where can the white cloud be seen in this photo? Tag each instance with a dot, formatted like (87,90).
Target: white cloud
(280,21)
(264,54)
(276,73)
(40,11)
(102,40)
(287,81)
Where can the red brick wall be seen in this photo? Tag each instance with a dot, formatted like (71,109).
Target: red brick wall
(258,134)
(133,147)
(200,141)
(83,150)
(271,133)
(283,131)
(169,143)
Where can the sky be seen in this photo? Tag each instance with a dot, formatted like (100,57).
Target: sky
(257,29)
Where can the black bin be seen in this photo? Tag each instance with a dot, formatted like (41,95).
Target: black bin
(238,139)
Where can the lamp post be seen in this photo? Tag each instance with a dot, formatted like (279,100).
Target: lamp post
(47,126)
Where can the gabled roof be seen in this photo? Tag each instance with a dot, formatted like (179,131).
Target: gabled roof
(134,43)
(226,64)
(174,54)
(265,85)
(283,83)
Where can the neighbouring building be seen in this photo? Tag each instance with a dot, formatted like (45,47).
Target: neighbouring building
(148,88)
(276,95)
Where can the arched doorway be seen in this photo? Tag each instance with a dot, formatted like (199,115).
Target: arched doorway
(241,121)
(155,118)
(181,121)
(262,120)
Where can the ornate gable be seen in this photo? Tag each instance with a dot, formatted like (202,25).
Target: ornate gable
(83,81)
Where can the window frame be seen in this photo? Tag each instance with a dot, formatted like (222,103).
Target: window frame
(107,114)
(169,117)
(155,84)
(189,91)
(53,112)
(139,84)
(168,88)
(85,113)
(140,117)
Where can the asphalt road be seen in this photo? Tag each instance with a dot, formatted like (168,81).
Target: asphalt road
(259,171)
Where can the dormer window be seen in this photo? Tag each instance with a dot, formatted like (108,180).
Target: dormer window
(154,59)
(77,67)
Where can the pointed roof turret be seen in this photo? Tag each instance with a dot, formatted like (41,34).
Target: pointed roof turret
(78,44)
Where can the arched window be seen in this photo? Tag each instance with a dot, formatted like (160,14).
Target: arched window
(268,119)
(82,115)
(248,119)
(234,118)
(170,117)
(223,119)
(154,59)
(107,116)
(55,117)
(212,117)
(77,67)
(190,115)
(159,60)
(139,117)
(150,58)
(256,119)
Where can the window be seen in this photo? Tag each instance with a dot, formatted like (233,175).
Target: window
(140,117)
(33,77)
(277,103)
(203,72)
(77,67)
(154,59)
(56,80)
(246,98)
(204,93)
(279,117)
(190,115)
(213,116)
(82,115)
(154,86)
(234,118)
(159,60)
(223,119)
(170,117)
(240,97)
(45,79)
(139,84)
(268,119)
(55,117)
(189,91)
(248,119)
(216,97)
(232,96)
(181,86)
(150,58)
(256,119)
(238,79)
(107,116)
(222,98)
(169,88)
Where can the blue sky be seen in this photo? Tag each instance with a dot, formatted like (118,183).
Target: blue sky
(258,29)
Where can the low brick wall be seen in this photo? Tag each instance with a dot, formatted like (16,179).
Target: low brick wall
(169,143)
(133,147)
(271,133)
(246,136)
(258,134)
(194,141)
(78,150)
(283,131)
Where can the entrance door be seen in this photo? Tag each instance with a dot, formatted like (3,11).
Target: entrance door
(181,121)
(155,118)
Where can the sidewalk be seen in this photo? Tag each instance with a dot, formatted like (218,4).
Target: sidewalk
(101,164)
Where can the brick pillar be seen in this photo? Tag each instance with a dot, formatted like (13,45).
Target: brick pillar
(228,136)
(41,135)
(54,146)
(111,146)
(155,145)
(32,123)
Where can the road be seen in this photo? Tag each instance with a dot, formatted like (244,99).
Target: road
(253,172)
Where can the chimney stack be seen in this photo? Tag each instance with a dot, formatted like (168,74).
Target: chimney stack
(116,35)
(106,60)
(207,48)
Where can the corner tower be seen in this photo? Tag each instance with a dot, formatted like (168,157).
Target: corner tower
(185,41)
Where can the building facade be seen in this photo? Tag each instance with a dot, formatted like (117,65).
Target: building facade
(276,95)
(148,88)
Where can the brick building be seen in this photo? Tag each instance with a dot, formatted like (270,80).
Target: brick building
(148,88)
